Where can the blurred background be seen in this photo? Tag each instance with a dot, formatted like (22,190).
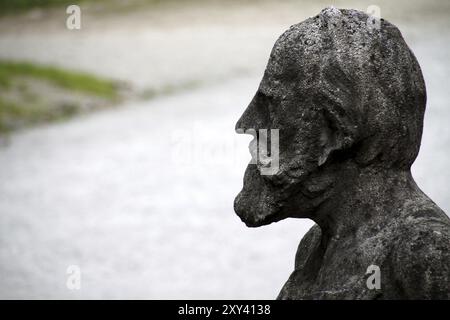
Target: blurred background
(117,146)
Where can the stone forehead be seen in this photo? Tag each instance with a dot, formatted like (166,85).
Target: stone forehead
(343,37)
(347,33)
(334,23)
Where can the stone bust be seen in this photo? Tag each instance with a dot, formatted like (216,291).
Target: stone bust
(348,100)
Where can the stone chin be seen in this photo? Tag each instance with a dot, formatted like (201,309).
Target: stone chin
(267,199)
(252,212)
(257,204)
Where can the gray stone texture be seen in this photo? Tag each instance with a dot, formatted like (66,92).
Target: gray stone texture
(348,98)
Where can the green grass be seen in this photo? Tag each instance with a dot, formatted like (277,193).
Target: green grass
(18,6)
(70,80)
(13,7)
(13,115)
(7,6)
(23,104)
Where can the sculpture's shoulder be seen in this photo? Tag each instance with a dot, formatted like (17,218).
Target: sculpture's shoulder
(424,228)
(412,251)
(307,245)
(421,255)
(296,283)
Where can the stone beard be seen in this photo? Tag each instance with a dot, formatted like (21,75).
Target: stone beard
(347,97)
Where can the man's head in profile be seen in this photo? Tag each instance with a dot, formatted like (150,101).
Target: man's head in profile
(348,99)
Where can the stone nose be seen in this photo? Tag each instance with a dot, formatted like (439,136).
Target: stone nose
(252,119)
(245,123)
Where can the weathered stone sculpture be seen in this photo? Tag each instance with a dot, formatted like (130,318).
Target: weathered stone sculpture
(348,98)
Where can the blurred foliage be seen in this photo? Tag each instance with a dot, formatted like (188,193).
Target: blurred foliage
(16,6)
(76,81)
(32,94)
(13,115)
(21,5)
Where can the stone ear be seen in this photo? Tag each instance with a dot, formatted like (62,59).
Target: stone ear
(335,98)
(334,136)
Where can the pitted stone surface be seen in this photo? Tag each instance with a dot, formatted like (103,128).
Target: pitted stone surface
(348,98)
